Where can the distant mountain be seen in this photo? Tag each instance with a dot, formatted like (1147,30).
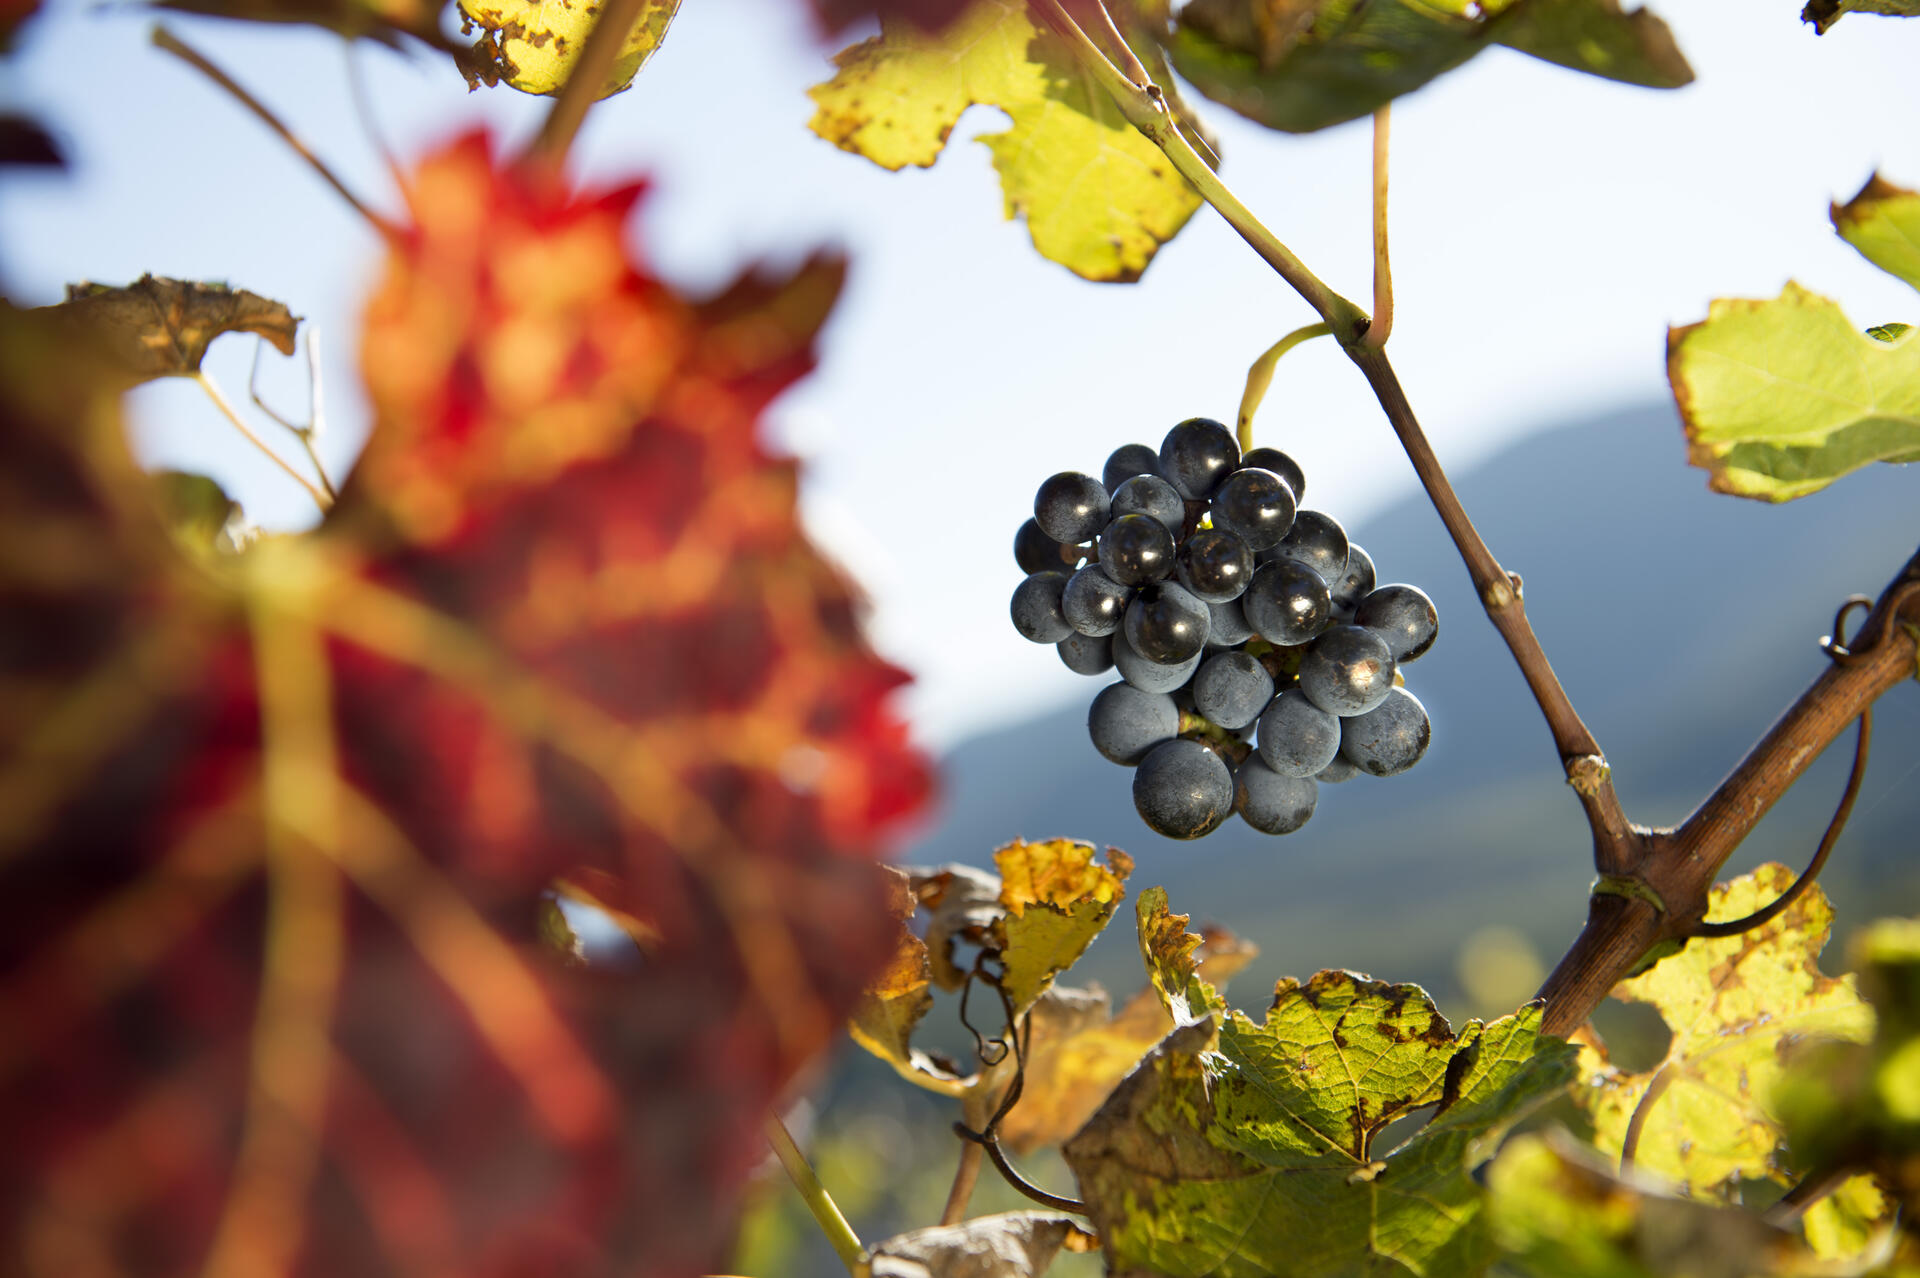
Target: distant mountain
(1681,621)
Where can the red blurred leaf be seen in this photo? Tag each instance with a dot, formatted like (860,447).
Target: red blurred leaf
(280,832)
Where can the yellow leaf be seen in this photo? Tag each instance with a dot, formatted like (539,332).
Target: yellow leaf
(1056,901)
(533,44)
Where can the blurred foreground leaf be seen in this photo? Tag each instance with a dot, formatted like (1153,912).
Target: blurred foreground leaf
(382,20)
(1736,1006)
(1598,36)
(1883,222)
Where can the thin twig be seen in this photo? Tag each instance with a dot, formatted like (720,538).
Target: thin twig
(1260,376)
(1630,1142)
(165,39)
(207,384)
(1376,334)
(1814,1186)
(311,431)
(584,84)
(826,1213)
(965,1176)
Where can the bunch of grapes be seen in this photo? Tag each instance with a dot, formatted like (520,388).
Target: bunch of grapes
(1257,657)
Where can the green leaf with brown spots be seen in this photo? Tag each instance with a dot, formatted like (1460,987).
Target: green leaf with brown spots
(1098,197)
(532,45)
(1883,222)
(1781,397)
(1253,1151)
(1736,1007)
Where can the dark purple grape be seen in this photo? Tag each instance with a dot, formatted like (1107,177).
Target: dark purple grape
(1036,608)
(1136,549)
(1271,802)
(1286,603)
(1280,464)
(1034,551)
(1086,654)
(1354,585)
(1150,676)
(1166,624)
(1227,625)
(1071,507)
(1298,738)
(1127,461)
(1390,738)
(1215,565)
(1183,790)
(1347,671)
(1403,616)
(1151,495)
(1196,455)
(1231,689)
(1256,504)
(1318,541)
(1093,602)
(1125,722)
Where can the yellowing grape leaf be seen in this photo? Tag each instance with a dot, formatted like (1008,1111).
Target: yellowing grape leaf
(533,44)
(1557,1212)
(279,983)
(1098,197)
(894,1003)
(1056,900)
(1014,1244)
(1883,222)
(1252,1152)
(1849,1221)
(1824,13)
(1737,1007)
(1171,956)
(1779,398)
(1302,65)
(157,327)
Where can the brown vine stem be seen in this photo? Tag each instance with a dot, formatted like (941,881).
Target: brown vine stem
(548,150)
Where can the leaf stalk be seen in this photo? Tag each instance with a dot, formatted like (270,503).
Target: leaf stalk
(826,1213)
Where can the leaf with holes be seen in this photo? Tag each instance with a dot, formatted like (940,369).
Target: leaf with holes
(1252,1151)
(532,44)
(1737,1007)
(1098,197)
(280,984)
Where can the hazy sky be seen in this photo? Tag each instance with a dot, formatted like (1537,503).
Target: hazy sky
(1547,227)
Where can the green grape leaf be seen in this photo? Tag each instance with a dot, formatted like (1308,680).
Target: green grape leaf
(532,45)
(1883,222)
(1824,13)
(1599,37)
(1887,332)
(1099,198)
(1250,1151)
(1556,1212)
(1736,1006)
(156,327)
(1781,397)
(1014,1244)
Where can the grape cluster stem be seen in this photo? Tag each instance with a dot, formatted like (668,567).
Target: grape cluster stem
(1677,866)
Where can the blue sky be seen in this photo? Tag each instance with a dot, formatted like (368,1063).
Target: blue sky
(1547,228)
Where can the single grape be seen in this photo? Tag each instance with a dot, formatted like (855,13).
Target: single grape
(1354,585)
(1037,614)
(1165,623)
(1231,689)
(1341,769)
(1390,738)
(1086,654)
(1347,671)
(1125,722)
(1272,802)
(1280,464)
(1183,790)
(1071,507)
(1318,541)
(1196,455)
(1403,616)
(1286,602)
(1136,549)
(1214,564)
(1034,551)
(1127,461)
(1151,495)
(1093,602)
(1227,625)
(1150,676)
(1298,738)
(1257,504)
